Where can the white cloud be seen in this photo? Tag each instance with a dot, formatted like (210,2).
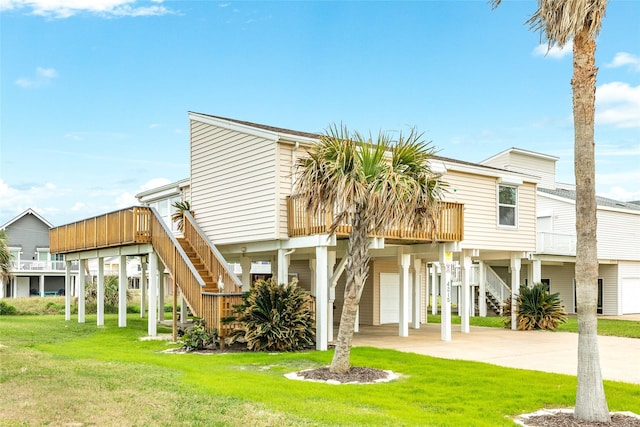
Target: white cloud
(126,199)
(554,52)
(623,58)
(621,194)
(14,201)
(61,9)
(42,77)
(618,104)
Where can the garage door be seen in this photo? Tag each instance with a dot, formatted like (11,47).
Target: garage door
(390,298)
(630,295)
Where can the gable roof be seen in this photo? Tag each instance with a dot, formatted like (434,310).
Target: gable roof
(27,212)
(601,201)
(517,150)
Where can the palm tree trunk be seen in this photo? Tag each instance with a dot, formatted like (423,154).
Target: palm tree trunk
(357,270)
(591,403)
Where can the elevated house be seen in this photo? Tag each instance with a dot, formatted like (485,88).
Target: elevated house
(618,235)
(241,193)
(35,270)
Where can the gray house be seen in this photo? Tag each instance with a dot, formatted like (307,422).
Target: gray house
(35,270)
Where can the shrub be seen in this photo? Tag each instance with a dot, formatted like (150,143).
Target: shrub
(110,295)
(275,317)
(7,309)
(196,337)
(537,309)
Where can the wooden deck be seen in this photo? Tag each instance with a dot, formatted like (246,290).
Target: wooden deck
(449,224)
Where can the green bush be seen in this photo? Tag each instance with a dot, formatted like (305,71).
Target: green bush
(537,309)
(275,317)
(7,309)
(110,295)
(196,337)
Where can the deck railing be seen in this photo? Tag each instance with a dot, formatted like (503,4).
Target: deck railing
(212,259)
(123,227)
(449,225)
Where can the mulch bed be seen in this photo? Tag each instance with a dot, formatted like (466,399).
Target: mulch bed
(565,419)
(354,375)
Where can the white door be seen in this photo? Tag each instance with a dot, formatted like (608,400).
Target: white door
(630,295)
(390,298)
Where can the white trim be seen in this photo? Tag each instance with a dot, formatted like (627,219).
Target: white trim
(515,207)
(451,165)
(599,207)
(522,151)
(28,211)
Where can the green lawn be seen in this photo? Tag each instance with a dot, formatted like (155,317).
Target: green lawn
(54,372)
(612,327)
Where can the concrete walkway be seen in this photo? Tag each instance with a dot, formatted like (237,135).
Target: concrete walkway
(545,351)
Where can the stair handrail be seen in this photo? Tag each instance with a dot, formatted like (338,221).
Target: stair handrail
(496,286)
(179,274)
(201,251)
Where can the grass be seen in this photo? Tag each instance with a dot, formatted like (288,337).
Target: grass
(611,327)
(64,373)
(55,305)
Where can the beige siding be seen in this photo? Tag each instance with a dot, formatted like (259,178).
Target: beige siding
(369,313)
(561,281)
(233,184)
(618,235)
(286,158)
(301,268)
(481,230)
(545,169)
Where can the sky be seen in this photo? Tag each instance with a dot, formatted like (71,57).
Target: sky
(95,94)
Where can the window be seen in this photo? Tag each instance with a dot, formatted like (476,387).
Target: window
(507,205)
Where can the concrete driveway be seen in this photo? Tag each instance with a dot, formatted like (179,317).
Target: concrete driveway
(545,351)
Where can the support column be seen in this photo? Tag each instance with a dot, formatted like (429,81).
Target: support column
(404,262)
(67,290)
(446,259)
(2,288)
(143,285)
(482,297)
(465,306)
(283,266)
(41,285)
(434,288)
(245,264)
(183,309)
(161,288)
(536,267)
(81,295)
(331,262)
(321,298)
(100,293)
(516,263)
(417,292)
(122,292)
(152,326)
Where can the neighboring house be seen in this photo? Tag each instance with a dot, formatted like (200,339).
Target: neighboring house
(618,235)
(35,270)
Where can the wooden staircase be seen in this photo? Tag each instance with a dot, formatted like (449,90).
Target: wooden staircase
(211,283)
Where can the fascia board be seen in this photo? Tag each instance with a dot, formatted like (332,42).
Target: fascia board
(238,127)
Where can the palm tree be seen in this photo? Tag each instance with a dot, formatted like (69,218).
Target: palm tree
(374,186)
(178,215)
(5,258)
(559,22)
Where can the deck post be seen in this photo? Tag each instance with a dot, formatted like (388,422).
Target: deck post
(81,294)
(122,292)
(183,309)
(152,326)
(417,292)
(245,264)
(536,271)
(41,285)
(331,296)
(482,297)
(283,266)
(322,290)
(465,306)
(143,285)
(100,293)
(445,292)
(404,261)
(434,288)
(67,290)
(515,265)
(161,291)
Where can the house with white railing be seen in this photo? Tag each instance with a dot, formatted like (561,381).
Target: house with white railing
(618,234)
(35,270)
